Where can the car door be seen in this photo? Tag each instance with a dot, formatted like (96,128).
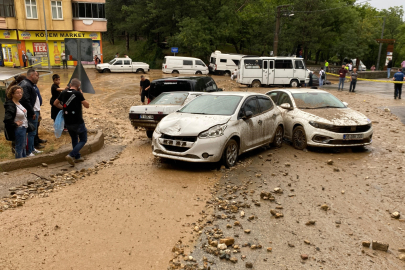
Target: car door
(127,66)
(299,69)
(268,116)
(251,128)
(118,66)
(288,115)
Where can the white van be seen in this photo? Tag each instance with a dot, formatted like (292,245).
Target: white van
(257,71)
(183,65)
(224,63)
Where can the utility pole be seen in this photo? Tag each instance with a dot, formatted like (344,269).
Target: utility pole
(379,50)
(46,36)
(279,14)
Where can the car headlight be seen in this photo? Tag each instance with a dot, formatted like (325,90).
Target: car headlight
(321,125)
(215,131)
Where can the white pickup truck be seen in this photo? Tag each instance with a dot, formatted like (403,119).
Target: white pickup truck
(123,65)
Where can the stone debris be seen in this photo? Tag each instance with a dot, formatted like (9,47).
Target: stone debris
(304,256)
(44,165)
(269,249)
(310,222)
(329,162)
(366,244)
(249,265)
(395,215)
(401,257)
(227,241)
(324,207)
(380,246)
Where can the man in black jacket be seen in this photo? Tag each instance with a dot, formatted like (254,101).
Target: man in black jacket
(30,97)
(389,66)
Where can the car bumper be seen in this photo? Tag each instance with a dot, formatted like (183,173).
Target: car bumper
(324,138)
(194,150)
(148,124)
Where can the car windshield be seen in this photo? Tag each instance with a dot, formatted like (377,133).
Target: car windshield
(111,62)
(317,101)
(169,99)
(212,105)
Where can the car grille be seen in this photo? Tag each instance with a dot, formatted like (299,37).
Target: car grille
(179,138)
(349,129)
(186,156)
(342,142)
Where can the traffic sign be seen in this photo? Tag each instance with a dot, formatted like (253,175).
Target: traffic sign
(175,50)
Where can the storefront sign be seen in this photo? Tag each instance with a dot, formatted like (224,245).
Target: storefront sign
(8,34)
(39,48)
(53,35)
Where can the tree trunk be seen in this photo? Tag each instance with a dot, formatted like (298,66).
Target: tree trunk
(236,47)
(318,52)
(357,63)
(127,41)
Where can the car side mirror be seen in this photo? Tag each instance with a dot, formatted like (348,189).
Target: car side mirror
(346,104)
(247,115)
(286,106)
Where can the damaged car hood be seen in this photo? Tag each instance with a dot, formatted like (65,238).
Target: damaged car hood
(336,116)
(187,124)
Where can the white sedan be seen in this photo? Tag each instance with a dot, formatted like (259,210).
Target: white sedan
(218,126)
(148,116)
(318,118)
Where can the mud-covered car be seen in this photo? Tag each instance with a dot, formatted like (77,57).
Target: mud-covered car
(218,127)
(148,116)
(318,118)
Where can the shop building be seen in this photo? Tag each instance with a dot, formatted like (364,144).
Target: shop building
(22,28)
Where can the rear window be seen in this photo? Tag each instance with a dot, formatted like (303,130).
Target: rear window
(159,87)
(170,99)
(187,62)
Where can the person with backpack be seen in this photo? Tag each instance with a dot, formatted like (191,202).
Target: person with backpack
(353,80)
(322,77)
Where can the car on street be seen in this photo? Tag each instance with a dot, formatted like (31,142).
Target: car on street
(123,65)
(148,116)
(184,65)
(219,127)
(317,118)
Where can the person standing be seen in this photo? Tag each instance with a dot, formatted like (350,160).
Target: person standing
(350,66)
(24,58)
(31,97)
(389,66)
(353,80)
(37,107)
(95,61)
(55,92)
(403,66)
(372,68)
(64,61)
(398,77)
(322,77)
(71,101)
(16,120)
(144,87)
(326,66)
(117,55)
(29,56)
(342,76)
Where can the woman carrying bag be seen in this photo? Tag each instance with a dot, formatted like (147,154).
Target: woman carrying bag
(16,121)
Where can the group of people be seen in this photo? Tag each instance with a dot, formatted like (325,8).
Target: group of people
(23,114)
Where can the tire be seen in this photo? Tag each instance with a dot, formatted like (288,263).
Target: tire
(198,73)
(227,73)
(256,84)
(106,70)
(230,154)
(175,72)
(299,138)
(294,83)
(149,133)
(140,70)
(278,137)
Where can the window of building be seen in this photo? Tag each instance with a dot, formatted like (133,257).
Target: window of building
(88,10)
(7,8)
(31,9)
(57,10)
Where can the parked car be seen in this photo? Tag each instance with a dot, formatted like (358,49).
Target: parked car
(123,65)
(224,63)
(218,127)
(183,65)
(148,116)
(187,84)
(317,118)
(315,80)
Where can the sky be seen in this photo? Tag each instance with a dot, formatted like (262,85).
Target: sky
(385,4)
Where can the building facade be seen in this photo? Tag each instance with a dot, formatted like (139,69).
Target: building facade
(22,28)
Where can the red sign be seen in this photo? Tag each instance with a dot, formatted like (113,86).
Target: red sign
(39,48)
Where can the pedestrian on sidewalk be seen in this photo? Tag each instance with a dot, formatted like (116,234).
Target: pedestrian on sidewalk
(326,66)
(71,102)
(29,56)
(24,58)
(403,66)
(322,77)
(353,80)
(342,77)
(398,77)
(389,66)
(64,61)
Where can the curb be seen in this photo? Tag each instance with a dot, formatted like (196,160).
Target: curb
(91,146)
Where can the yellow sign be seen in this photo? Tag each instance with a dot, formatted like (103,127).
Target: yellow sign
(8,34)
(57,35)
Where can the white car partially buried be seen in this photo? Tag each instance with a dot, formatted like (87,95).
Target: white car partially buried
(317,118)
(218,127)
(148,116)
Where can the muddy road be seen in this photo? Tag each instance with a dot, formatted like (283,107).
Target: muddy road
(132,210)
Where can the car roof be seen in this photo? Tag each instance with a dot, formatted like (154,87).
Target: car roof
(192,78)
(295,91)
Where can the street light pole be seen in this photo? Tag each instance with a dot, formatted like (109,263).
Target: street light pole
(278,17)
(379,50)
(46,36)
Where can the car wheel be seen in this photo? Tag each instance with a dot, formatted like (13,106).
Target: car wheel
(149,133)
(294,83)
(139,70)
(278,137)
(256,83)
(299,138)
(230,155)
(106,70)
(198,73)
(175,72)
(227,73)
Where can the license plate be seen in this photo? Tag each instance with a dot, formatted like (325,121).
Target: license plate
(353,137)
(146,116)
